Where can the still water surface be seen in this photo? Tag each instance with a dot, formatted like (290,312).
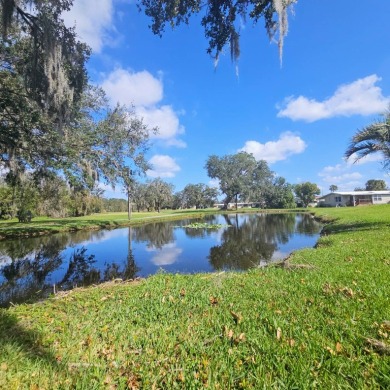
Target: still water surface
(30,267)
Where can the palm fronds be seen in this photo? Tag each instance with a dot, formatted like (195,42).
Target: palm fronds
(372,139)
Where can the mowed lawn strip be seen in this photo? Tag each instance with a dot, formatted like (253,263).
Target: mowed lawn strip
(322,322)
(46,225)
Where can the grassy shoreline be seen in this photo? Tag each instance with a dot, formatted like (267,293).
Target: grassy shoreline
(321,326)
(45,225)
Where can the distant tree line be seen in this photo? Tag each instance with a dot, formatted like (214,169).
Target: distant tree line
(240,176)
(241,179)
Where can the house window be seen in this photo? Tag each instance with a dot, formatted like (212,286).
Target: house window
(337,198)
(377,198)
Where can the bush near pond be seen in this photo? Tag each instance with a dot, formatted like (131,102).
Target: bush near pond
(324,327)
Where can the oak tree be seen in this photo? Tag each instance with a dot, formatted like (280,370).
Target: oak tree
(306,192)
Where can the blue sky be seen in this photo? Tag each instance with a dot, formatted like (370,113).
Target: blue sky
(298,116)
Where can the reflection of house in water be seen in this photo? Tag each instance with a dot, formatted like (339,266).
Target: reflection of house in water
(354,198)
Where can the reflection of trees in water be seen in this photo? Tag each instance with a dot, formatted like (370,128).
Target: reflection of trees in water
(198,233)
(155,234)
(307,224)
(28,278)
(250,239)
(80,270)
(38,268)
(130,269)
(20,248)
(117,271)
(25,277)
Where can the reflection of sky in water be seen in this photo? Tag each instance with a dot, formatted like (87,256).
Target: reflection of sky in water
(171,247)
(167,255)
(105,236)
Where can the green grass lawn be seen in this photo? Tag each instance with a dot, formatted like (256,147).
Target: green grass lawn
(45,225)
(323,325)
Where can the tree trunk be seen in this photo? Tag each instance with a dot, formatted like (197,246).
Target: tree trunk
(128,205)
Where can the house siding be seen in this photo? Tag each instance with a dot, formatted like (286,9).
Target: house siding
(355,198)
(384,199)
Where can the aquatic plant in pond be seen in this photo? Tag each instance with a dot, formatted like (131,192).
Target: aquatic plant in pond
(204,225)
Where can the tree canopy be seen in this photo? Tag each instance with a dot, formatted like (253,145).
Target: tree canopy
(238,175)
(160,193)
(51,119)
(375,185)
(43,55)
(306,192)
(42,78)
(279,195)
(196,195)
(221,19)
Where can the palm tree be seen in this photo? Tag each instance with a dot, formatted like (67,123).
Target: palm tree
(371,139)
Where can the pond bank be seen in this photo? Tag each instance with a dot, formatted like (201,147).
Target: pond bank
(265,328)
(31,266)
(44,225)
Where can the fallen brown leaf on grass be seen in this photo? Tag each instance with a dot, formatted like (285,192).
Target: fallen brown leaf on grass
(240,338)
(237,317)
(348,292)
(378,346)
(291,342)
(385,325)
(330,350)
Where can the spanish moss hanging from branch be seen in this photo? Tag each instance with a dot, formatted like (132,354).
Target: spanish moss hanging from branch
(53,67)
(221,19)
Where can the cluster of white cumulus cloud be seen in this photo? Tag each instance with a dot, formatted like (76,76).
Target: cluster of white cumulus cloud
(95,26)
(361,97)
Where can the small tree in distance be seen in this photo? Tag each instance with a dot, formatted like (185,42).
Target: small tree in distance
(333,188)
(306,192)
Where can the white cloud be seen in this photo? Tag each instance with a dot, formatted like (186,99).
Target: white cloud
(367,159)
(342,176)
(361,97)
(93,21)
(162,166)
(145,92)
(168,255)
(94,25)
(347,175)
(167,122)
(273,151)
(137,88)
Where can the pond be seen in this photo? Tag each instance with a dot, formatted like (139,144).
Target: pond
(31,268)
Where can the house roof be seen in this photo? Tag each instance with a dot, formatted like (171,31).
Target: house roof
(385,192)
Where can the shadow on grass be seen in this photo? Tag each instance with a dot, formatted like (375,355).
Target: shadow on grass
(25,341)
(356,226)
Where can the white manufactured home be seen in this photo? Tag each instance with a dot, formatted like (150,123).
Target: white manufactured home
(354,198)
